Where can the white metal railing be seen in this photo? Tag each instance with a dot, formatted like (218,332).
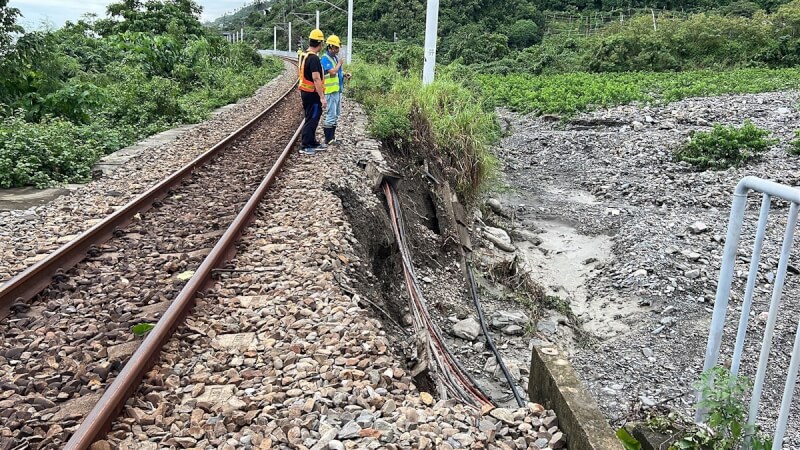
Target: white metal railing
(768,189)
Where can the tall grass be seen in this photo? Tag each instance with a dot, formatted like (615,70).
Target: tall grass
(443,121)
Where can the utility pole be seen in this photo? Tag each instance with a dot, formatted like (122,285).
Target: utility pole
(431,28)
(317,19)
(274,39)
(349,31)
(290,36)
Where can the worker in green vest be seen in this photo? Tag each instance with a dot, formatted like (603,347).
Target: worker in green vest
(334,85)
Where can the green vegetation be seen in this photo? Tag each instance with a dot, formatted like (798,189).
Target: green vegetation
(726,424)
(705,40)
(464,25)
(628,442)
(702,54)
(503,36)
(570,93)
(141,329)
(794,146)
(724,147)
(606,5)
(512,52)
(71,95)
(53,150)
(443,121)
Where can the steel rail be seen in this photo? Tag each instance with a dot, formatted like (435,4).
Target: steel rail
(100,418)
(34,279)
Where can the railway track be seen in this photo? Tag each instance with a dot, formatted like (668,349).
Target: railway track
(67,330)
(262,351)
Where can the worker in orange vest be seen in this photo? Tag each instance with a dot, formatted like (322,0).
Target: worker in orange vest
(312,92)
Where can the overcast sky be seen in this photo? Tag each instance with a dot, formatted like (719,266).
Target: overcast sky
(56,12)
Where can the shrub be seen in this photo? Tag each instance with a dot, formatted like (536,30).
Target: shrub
(524,33)
(392,124)
(408,58)
(723,395)
(46,153)
(150,103)
(93,87)
(794,146)
(724,147)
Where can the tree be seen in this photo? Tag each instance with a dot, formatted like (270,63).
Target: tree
(741,8)
(8,26)
(179,18)
(524,33)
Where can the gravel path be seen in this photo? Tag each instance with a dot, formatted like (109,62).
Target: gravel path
(609,174)
(282,357)
(60,354)
(27,236)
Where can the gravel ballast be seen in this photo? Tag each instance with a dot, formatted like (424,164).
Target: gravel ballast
(284,356)
(27,235)
(61,351)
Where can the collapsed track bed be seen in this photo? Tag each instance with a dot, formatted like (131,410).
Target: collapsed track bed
(59,354)
(285,353)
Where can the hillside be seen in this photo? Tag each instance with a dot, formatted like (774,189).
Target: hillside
(238,15)
(488,23)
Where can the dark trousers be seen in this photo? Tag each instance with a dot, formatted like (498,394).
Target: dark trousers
(313,108)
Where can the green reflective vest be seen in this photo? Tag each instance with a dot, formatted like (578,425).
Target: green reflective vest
(331,81)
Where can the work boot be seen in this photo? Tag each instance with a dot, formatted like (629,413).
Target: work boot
(333,140)
(328,131)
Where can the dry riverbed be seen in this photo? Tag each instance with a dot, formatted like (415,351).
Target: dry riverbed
(628,242)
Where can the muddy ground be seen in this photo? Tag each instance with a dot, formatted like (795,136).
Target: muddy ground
(602,217)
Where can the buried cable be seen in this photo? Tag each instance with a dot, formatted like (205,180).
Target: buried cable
(453,378)
(473,290)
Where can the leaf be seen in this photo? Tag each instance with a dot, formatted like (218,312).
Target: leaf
(684,443)
(736,430)
(141,329)
(628,441)
(184,276)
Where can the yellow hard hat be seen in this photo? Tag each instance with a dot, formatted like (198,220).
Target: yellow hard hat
(316,34)
(334,40)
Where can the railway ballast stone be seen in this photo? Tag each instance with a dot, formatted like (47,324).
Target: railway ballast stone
(467,329)
(322,371)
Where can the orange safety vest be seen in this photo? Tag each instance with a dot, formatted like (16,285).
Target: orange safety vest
(305,85)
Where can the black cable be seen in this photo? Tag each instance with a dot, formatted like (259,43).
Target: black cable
(474,291)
